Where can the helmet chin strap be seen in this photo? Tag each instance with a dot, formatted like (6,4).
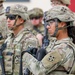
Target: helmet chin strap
(16,25)
(71,24)
(56,28)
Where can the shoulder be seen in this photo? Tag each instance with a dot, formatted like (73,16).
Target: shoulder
(30,40)
(41,27)
(52,58)
(3,17)
(61,47)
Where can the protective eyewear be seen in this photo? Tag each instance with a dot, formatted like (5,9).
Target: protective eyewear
(52,21)
(37,17)
(12,17)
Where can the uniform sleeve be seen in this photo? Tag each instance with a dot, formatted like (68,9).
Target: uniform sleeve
(3,26)
(33,64)
(30,42)
(50,62)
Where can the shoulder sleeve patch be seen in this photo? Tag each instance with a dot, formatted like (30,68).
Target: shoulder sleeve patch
(51,59)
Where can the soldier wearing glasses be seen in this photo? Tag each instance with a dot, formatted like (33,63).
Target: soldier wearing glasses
(19,40)
(60,57)
(36,17)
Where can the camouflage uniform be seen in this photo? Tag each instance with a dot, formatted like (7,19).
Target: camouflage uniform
(16,44)
(36,15)
(3,25)
(37,12)
(60,54)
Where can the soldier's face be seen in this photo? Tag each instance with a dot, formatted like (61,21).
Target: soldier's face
(36,21)
(56,27)
(51,27)
(11,21)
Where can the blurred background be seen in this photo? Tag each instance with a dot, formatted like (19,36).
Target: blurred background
(44,4)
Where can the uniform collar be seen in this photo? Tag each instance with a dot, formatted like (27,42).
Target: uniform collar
(68,39)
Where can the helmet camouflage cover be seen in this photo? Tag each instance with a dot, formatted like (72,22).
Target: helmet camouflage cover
(60,12)
(17,10)
(67,2)
(36,12)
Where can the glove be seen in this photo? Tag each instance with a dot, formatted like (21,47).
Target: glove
(40,54)
(26,72)
(32,51)
(1,37)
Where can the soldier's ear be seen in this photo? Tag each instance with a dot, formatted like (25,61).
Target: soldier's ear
(63,24)
(21,20)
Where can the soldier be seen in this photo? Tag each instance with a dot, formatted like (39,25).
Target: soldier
(3,26)
(60,57)
(36,17)
(60,2)
(20,40)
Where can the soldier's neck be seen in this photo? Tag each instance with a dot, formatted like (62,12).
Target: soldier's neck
(62,35)
(17,30)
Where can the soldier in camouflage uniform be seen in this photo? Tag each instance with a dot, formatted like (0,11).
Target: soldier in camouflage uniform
(58,2)
(3,26)
(60,57)
(61,2)
(36,17)
(21,39)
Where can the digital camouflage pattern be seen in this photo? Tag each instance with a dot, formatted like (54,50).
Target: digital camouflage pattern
(22,11)
(65,14)
(3,24)
(67,2)
(36,12)
(18,10)
(60,53)
(37,30)
(16,45)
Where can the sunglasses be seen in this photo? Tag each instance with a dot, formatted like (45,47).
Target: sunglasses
(53,20)
(12,17)
(37,17)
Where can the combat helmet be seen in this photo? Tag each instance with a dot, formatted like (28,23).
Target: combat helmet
(18,10)
(36,12)
(60,12)
(67,2)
